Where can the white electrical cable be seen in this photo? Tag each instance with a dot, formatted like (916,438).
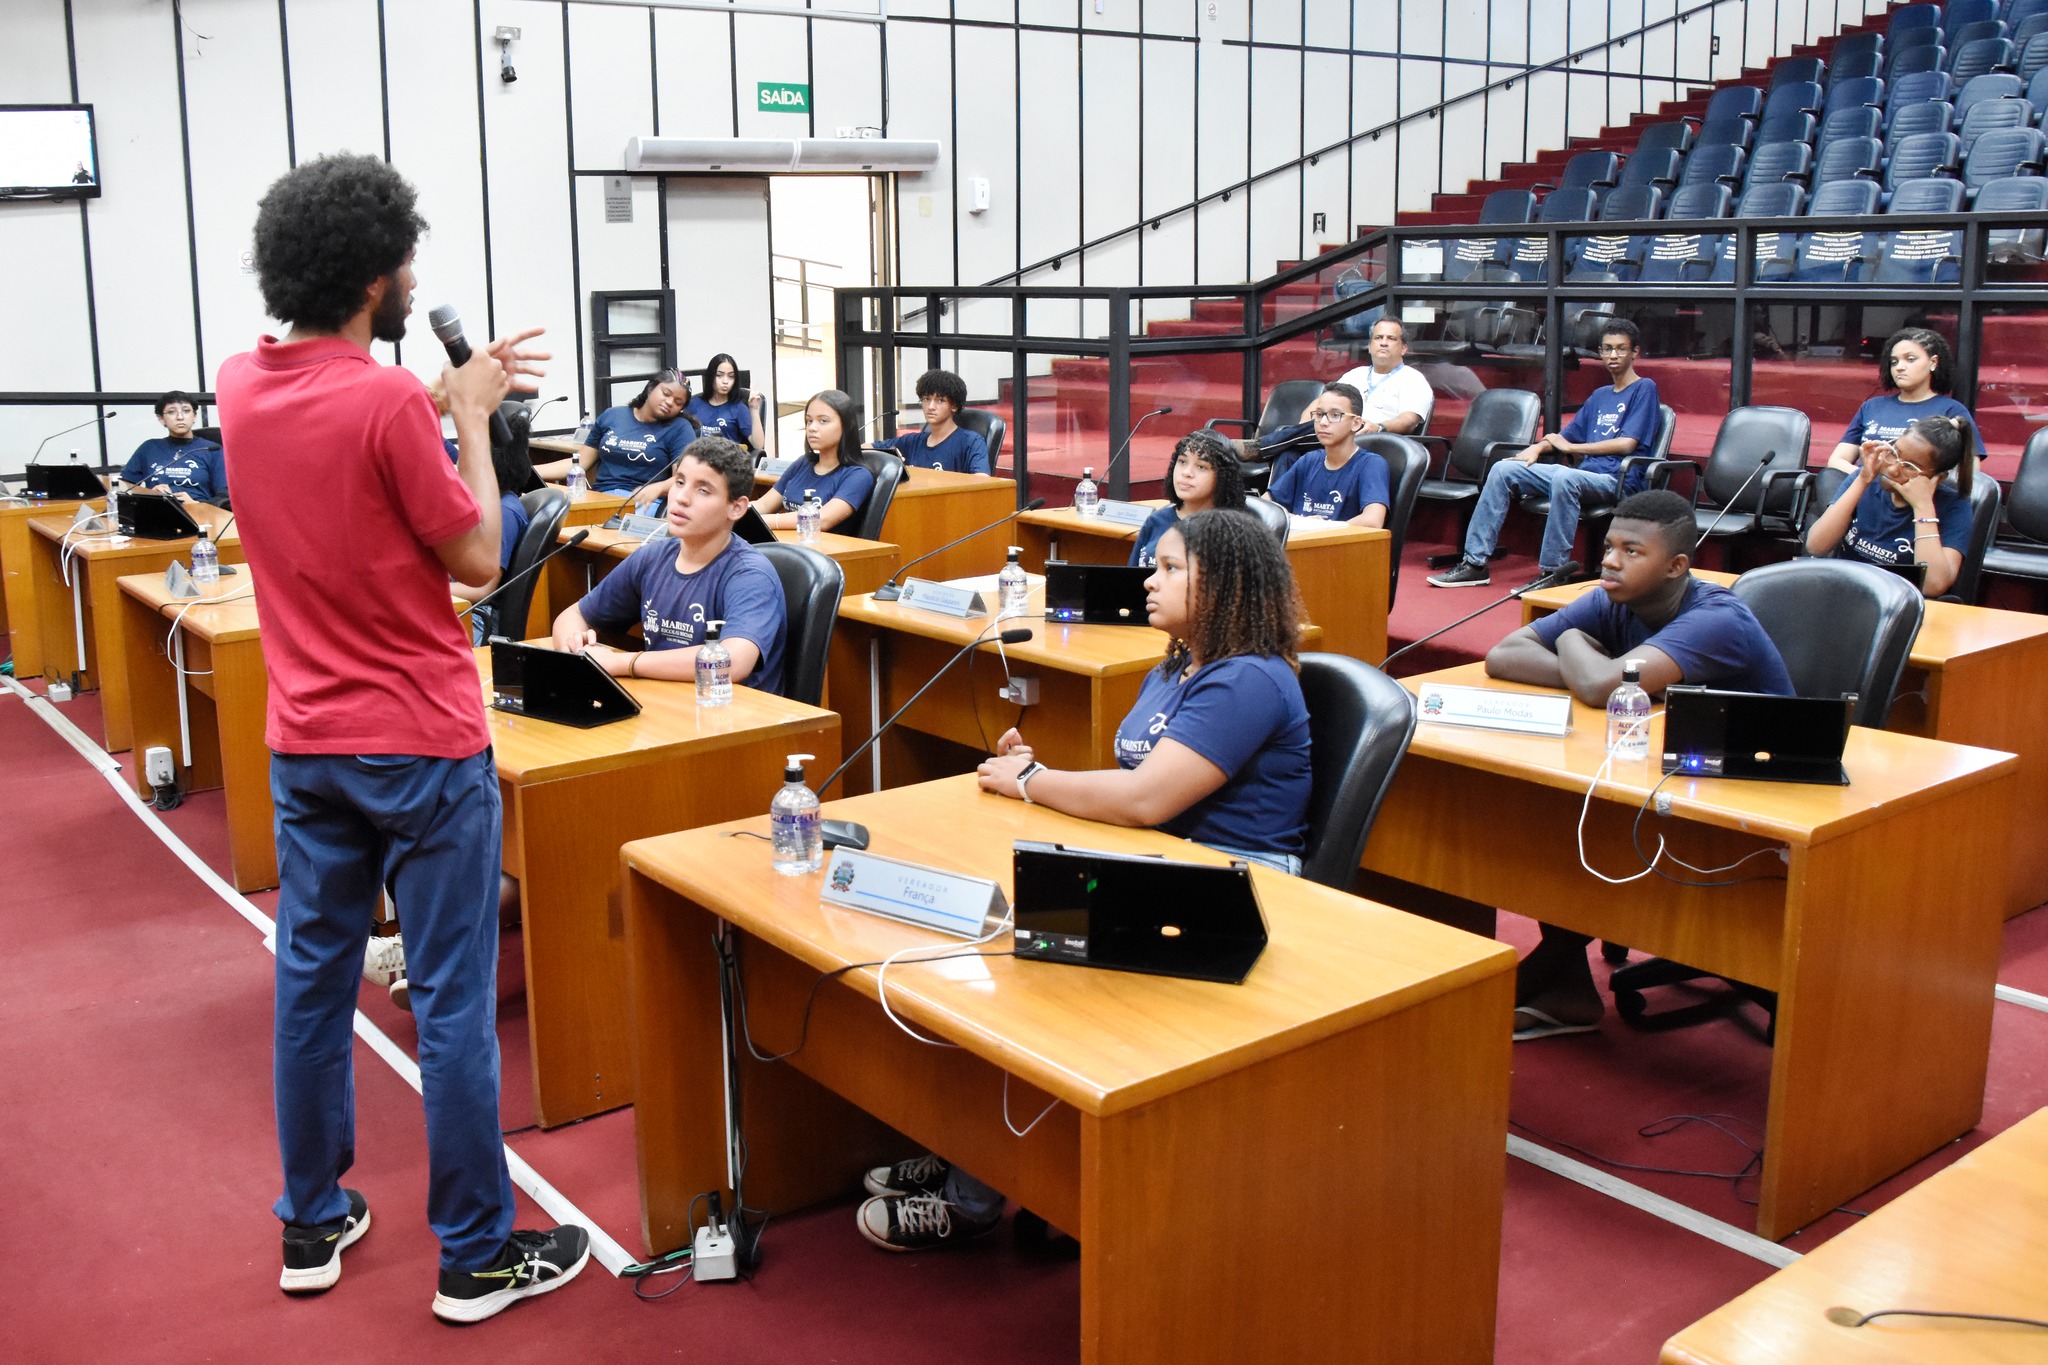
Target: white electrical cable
(882,976)
(1015,1131)
(177,664)
(1587,806)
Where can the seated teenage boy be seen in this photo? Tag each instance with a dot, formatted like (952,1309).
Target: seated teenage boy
(942,444)
(187,467)
(1339,482)
(1616,421)
(699,572)
(1650,608)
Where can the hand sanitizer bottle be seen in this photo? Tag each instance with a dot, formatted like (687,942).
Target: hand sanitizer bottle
(578,480)
(1087,501)
(205,561)
(793,823)
(714,669)
(1628,716)
(1013,587)
(810,517)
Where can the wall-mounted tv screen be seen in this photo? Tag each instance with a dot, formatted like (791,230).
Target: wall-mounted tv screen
(47,151)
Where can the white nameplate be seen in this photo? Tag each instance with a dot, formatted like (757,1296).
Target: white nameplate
(944,598)
(1482,708)
(178,583)
(84,517)
(1422,258)
(966,907)
(775,469)
(645,528)
(1123,513)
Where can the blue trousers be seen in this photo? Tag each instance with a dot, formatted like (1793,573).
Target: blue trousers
(429,828)
(1566,487)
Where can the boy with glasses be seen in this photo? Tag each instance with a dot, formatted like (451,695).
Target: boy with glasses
(187,467)
(1344,483)
(1615,422)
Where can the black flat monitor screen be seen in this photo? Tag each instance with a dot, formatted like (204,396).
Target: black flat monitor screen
(47,151)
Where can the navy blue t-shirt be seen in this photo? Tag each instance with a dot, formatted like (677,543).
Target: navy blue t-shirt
(1886,417)
(1146,552)
(1608,416)
(1715,640)
(850,483)
(192,467)
(1310,488)
(514,521)
(1882,532)
(734,421)
(739,588)
(1245,714)
(631,452)
(964,452)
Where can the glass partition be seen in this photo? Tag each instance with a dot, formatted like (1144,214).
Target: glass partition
(2012,383)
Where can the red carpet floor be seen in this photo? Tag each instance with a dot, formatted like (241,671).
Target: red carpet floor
(135,1119)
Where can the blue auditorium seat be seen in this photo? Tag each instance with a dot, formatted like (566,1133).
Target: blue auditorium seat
(1928,116)
(1709,164)
(1464,256)
(1779,161)
(1922,256)
(1986,54)
(1921,156)
(2034,54)
(1848,158)
(1913,16)
(2007,151)
(1835,256)
(1731,131)
(1675,136)
(1860,121)
(1970,33)
(1848,66)
(1585,171)
(1994,85)
(1863,44)
(1783,199)
(1743,101)
(1910,61)
(1794,69)
(1657,167)
(1794,97)
(1786,128)
(1532,254)
(1618,253)
(1684,257)
(1957,14)
(1987,115)
(1918,88)
(1863,90)
(2015,194)
(2034,26)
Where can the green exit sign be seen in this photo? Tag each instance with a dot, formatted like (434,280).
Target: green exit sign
(779,97)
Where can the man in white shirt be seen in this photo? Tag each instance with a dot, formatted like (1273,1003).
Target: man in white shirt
(1397,398)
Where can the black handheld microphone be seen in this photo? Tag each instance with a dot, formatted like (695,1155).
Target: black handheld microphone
(1729,506)
(1525,589)
(845,833)
(1109,470)
(447,325)
(893,589)
(67,431)
(571,543)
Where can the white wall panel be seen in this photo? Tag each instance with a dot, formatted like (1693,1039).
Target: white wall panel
(1046,179)
(988,150)
(1220,124)
(1422,28)
(34,66)
(1276,21)
(1277,224)
(1373,98)
(1110,111)
(1276,107)
(1418,179)
(987,11)
(628,256)
(846,80)
(1464,143)
(45,344)
(1372,181)
(336,91)
(1168,124)
(1327,23)
(695,73)
(1466,29)
(1324,190)
(1422,85)
(1170,259)
(611,82)
(726,308)
(920,105)
(770,48)
(1506,120)
(1510,31)
(1220,241)
(1547,30)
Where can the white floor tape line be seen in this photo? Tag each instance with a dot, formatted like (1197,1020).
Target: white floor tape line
(1670,1210)
(603,1247)
(2013,995)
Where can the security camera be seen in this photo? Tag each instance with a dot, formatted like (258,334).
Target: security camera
(505,71)
(506,36)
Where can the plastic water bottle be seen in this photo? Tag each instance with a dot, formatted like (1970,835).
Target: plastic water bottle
(1013,587)
(714,669)
(810,517)
(113,513)
(578,480)
(583,428)
(1628,716)
(1087,501)
(205,561)
(793,823)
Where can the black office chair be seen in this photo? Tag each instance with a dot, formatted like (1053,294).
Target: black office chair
(546,508)
(1407,466)
(2026,513)
(887,467)
(1284,406)
(812,584)
(1272,513)
(989,427)
(1595,513)
(1500,423)
(1841,627)
(1730,497)
(1985,500)
(1359,723)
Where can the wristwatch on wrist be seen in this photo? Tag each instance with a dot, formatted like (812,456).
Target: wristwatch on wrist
(1030,770)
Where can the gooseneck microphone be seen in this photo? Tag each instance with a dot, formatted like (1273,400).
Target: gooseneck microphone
(1109,469)
(571,543)
(1522,591)
(1729,506)
(893,589)
(447,325)
(1016,635)
(67,431)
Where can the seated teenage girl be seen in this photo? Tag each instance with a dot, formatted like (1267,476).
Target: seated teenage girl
(725,409)
(1216,751)
(1206,472)
(831,467)
(1918,372)
(1901,507)
(633,449)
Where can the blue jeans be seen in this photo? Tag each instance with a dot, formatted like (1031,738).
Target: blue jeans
(429,828)
(1566,487)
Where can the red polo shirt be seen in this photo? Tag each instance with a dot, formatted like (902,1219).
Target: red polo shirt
(342,489)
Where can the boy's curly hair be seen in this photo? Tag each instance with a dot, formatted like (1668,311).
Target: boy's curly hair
(325,231)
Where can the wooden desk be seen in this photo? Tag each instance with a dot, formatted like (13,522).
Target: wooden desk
(1341,570)
(1354,1088)
(20,612)
(1969,1239)
(571,798)
(1089,678)
(588,507)
(81,622)
(1973,678)
(933,506)
(1882,942)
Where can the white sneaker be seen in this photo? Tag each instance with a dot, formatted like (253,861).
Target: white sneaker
(384,960)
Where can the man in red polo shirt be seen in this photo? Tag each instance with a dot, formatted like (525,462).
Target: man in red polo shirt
(353,521)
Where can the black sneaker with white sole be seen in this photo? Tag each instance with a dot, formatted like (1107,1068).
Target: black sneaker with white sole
(312,1256)
(919,1175)
(1552,578)
(1466,575)
(531,1263)
(918,1222)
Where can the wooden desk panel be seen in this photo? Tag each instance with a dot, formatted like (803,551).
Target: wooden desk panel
(1882,942)
(572,797)
(20,612)
(932,507)
(1342,571)
(1973,678)
(1370,1045)
(1969,1239)
(92,608)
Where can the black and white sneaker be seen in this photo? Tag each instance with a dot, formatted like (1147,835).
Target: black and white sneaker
(531,1263)
(312,1256)
(920,1175)
(1466,575)
(1552,578)
(918,1222)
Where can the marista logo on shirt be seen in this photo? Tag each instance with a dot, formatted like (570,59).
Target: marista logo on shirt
(653,624)
(641,449)
(1139,748)
(1610,422)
